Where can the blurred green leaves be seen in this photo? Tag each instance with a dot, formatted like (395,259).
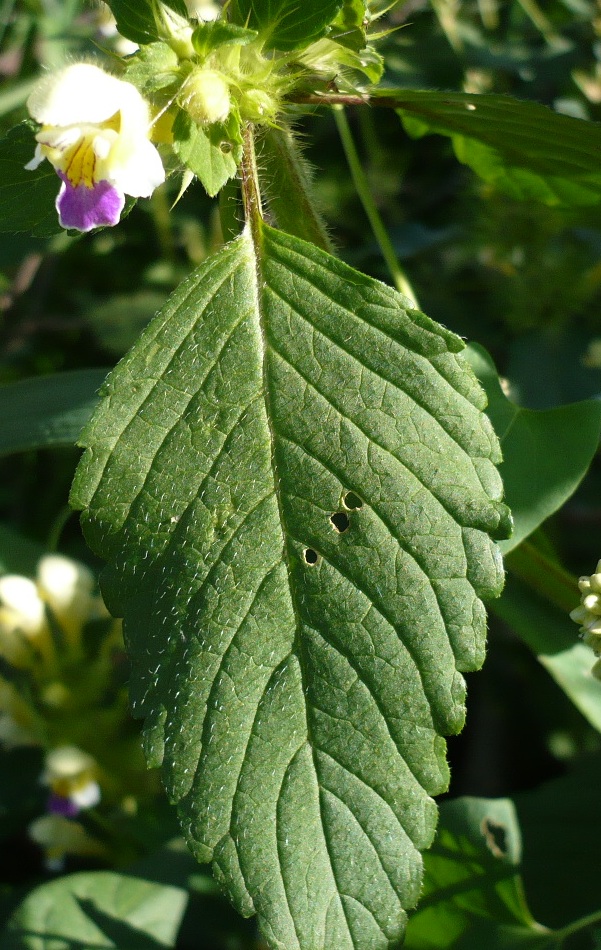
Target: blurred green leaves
(494,859)
(140,20)
(26,197)
(546,453)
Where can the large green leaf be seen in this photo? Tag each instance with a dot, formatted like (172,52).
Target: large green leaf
(96,910)
(522,148)
(546,453)
(473,895)
(27,198)
(292,478)
(285,24)
(47,410)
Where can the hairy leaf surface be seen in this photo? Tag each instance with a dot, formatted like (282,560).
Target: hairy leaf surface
(293,480)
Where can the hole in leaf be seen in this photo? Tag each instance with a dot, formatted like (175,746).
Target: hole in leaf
(225,147)
(495,835)
(340,521)
(310,556)
(352,501)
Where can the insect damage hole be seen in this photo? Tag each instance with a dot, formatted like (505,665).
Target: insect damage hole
(340,521)
(495,836)
(310,556)
(351,501)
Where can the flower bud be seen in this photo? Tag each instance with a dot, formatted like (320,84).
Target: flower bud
(207,97)
(257,105)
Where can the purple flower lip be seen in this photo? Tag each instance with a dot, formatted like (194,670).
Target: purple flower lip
(58,805)
(82,208)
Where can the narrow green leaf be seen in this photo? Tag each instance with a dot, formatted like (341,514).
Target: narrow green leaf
(285,24)
(27,198)
(287,182)
(47,410)
(212,155)
(137,19)
(546,453)
(292,478)
(522,148)
(97,909)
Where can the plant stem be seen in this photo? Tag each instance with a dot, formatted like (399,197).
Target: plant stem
(581,924)
(251,195)
(369,206)
(544,576)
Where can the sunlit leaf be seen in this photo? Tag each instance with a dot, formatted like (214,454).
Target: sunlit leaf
(292,478)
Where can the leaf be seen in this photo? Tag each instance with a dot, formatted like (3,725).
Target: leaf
(551,635)
(137,19)
(47,410)
(286,178)
(522,148)
(27,198)
(18,555)
(212,155)
(285,24)
(292,478)
(560,827)
(473,894)
(546,453)
(95,910)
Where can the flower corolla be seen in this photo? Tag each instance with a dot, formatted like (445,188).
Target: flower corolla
(95,133)
(70,774)
(23,628)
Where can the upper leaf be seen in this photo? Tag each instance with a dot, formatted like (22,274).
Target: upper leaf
(137,19)
(285,24)
(293,480)
(523,148)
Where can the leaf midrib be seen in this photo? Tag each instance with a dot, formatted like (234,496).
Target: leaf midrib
(256,235)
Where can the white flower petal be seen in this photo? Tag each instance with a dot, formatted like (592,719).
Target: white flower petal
(136,168)
(21,596)
(37,159)
(83,92)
